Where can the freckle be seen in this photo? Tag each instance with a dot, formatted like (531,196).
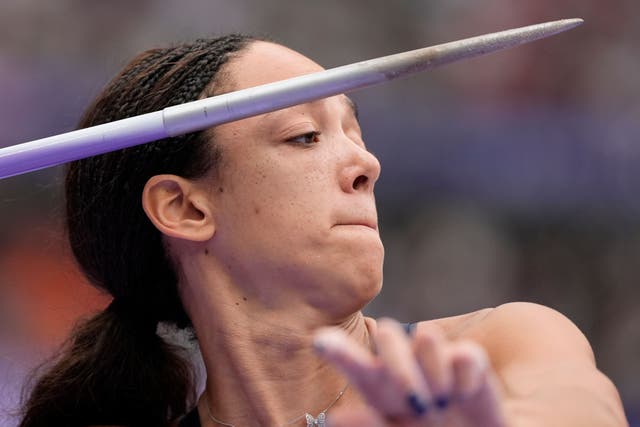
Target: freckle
(256,210)
(264,175)
(220,189)
(244,298)
(237,303)
(206,251)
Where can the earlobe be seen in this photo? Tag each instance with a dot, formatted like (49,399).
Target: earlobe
(178,208)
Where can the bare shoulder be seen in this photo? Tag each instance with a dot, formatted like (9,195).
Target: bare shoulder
(456,327)
(520,332)
(536,351)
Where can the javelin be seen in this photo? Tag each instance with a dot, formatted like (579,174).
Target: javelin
(198,115)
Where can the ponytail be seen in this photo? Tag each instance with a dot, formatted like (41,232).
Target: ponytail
(113,371)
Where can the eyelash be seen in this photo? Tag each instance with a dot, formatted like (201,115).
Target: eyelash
(309,138)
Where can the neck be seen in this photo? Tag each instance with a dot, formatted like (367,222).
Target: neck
(259,377)
(262,369)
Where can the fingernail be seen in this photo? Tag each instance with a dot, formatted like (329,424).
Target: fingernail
(442,402)
(418,404)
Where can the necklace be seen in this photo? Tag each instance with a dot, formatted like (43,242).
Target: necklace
(311,421)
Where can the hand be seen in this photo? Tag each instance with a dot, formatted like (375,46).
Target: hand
(421,381)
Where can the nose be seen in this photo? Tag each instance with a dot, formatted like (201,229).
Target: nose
(361,172)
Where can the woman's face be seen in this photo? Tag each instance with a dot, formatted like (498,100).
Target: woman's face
(293,199)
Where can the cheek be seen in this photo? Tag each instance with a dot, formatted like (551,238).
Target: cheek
(277,195)
(288,188)
(277,205)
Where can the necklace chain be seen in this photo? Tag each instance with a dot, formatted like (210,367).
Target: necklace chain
(311,421)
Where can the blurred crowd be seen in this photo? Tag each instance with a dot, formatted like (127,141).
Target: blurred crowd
(507,177)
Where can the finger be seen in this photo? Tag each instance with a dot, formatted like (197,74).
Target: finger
(363,370)
(430,351)
(469,364)
(354,361)
(368,374)
(396,354)
(477,390)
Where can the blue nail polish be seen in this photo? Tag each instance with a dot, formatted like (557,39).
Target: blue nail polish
(418,405)
(442,402)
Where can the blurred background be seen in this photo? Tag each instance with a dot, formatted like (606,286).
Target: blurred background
(509,177)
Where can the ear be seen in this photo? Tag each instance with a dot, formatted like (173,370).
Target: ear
(178,208)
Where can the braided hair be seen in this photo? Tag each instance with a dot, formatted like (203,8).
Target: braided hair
(115,369)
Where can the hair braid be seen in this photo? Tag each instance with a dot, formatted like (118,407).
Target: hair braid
(115,370)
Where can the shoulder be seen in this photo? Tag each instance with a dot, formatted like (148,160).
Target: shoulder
(520,332)
(534,349)
(539,358)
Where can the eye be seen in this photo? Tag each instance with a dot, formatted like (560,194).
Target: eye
(308,138)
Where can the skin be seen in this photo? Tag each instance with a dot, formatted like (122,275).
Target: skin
(278,250)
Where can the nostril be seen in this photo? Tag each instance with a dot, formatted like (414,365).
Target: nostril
(359,182)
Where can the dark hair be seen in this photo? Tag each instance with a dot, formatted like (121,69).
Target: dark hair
(115,369)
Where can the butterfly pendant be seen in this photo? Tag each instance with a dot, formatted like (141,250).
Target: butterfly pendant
(315,422)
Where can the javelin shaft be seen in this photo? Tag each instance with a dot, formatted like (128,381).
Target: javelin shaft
(201,114)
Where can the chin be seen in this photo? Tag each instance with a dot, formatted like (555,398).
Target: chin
(346,289)
(347,282)
(368,276)
(362,287)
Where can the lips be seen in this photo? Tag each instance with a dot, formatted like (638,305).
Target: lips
(364,223)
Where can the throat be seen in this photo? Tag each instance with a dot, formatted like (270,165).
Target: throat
(274,380)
